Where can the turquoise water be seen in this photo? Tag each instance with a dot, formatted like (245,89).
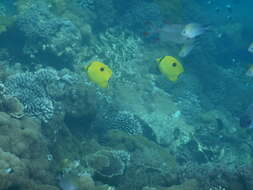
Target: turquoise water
(126,95)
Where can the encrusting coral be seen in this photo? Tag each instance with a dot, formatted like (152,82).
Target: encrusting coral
(23,154)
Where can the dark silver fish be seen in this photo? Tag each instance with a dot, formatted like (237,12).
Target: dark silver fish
(193,30)
(169,33)
(172,33)
(186,49)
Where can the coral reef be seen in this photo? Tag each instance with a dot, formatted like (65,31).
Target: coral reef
(215,175)
(36,21)
(117,48)
(30,89)
(60,131)
(148,161)
(6,19)
(42,93)
(108,163)
(188,184)
(122,120)
(105,12)
(140,13)
(56,36)
(5,22)
(22,148)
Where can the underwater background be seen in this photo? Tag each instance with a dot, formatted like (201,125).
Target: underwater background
(126,95)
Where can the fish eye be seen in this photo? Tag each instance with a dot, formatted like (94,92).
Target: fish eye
(102,69)
(174,64)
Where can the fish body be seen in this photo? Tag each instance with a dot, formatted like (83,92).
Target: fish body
(170,67)
(172,33)
(249,72)
(186,49)
(168,33)
(99,73)
(193,30)
(250,48)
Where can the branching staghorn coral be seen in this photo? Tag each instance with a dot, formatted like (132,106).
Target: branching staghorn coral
(118,49)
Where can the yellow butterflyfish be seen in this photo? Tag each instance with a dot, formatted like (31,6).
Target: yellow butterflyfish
(99,73)
(170,67)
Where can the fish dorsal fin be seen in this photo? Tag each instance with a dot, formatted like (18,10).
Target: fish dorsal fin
(86,67)
(159,60)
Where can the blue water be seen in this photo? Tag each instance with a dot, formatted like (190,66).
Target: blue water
(112,94)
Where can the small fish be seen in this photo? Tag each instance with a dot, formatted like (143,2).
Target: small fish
(193,30)
(246,119)
(172,33)
(99,73)
(186,49)
(249,72)
(250,48)
(170,67)
(168,33)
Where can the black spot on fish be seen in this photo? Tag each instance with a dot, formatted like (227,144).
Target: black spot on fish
(102,69)
(174,64)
